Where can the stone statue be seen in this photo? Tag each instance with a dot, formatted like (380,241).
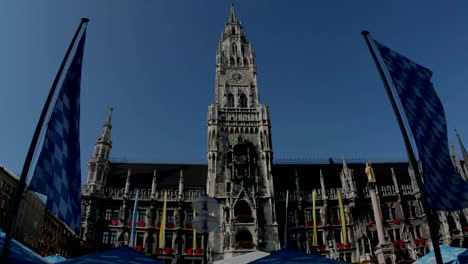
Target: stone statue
(370,173)
(332,249)
(347,214)
(407,234)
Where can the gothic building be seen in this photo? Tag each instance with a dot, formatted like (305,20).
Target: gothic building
(36,227)
(382,211)
(240,150)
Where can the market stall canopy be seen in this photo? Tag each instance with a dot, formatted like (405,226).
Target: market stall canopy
(122,254)
(243,259)
(450,255)
(288,255)
(55,258)
(20,253)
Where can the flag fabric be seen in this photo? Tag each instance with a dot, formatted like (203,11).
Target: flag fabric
(134,221)
(314,217)
(57,174)
(444,187)
(162,229)
(343,219)
(464,153)
(194,242)
(286,221)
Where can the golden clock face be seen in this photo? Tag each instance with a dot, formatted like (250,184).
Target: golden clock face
(237,77)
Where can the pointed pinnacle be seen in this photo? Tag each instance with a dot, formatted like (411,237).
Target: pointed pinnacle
(109,117)
(232,13)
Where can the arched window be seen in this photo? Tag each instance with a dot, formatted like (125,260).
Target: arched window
(233,61)
(243,100)
(243,212)
(234,49)
(230,100)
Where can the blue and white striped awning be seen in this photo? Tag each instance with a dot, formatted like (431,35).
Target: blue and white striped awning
(450,255)
(122,254)
(288,255)
(20,253)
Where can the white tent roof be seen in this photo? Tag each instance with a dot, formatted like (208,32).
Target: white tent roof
(243,259)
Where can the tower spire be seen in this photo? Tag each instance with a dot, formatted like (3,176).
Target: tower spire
(232,13)
(464,152)
(106,131)
(345,164)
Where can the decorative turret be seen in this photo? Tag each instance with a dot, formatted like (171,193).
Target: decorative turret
(181,185)
(347,180)
(456,160)
(395,182)
(127,183)
(465,155)
(105,137)
(98,165)
(153,186)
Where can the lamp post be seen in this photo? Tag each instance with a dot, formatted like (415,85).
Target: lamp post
(207,219)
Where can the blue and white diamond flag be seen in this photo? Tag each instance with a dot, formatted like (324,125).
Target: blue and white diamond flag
(57,174)
(444,187)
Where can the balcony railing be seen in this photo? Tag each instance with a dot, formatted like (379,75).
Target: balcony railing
(332,194)
(145,194)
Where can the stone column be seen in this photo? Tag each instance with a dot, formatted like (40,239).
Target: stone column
(383,250)
(377,215)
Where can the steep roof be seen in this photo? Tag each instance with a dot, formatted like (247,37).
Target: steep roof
(167,175)
(309,175)
(283,174)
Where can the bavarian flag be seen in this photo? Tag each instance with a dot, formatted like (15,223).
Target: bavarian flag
(445,189)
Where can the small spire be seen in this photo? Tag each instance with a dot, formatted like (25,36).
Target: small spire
(181,185)
(462,146)
(153,185)
(232,13)
(345,165)
(395,181)
(106,131)
(109,117)
(456,159)
(127,182)
(296,176)
(322,185)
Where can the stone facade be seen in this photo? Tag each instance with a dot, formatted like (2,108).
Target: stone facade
(240,151)
(383,218)
(35,227)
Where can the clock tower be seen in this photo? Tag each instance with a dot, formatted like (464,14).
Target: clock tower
(240,151)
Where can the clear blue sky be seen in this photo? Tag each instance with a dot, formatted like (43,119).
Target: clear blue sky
(153,61)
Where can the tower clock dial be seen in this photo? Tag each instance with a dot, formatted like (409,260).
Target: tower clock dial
(237,77)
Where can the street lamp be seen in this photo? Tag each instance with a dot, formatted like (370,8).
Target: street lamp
(207,219)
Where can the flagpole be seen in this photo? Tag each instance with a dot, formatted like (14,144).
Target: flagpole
(134,224)
(27,163)
(430,216)
(286,222)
